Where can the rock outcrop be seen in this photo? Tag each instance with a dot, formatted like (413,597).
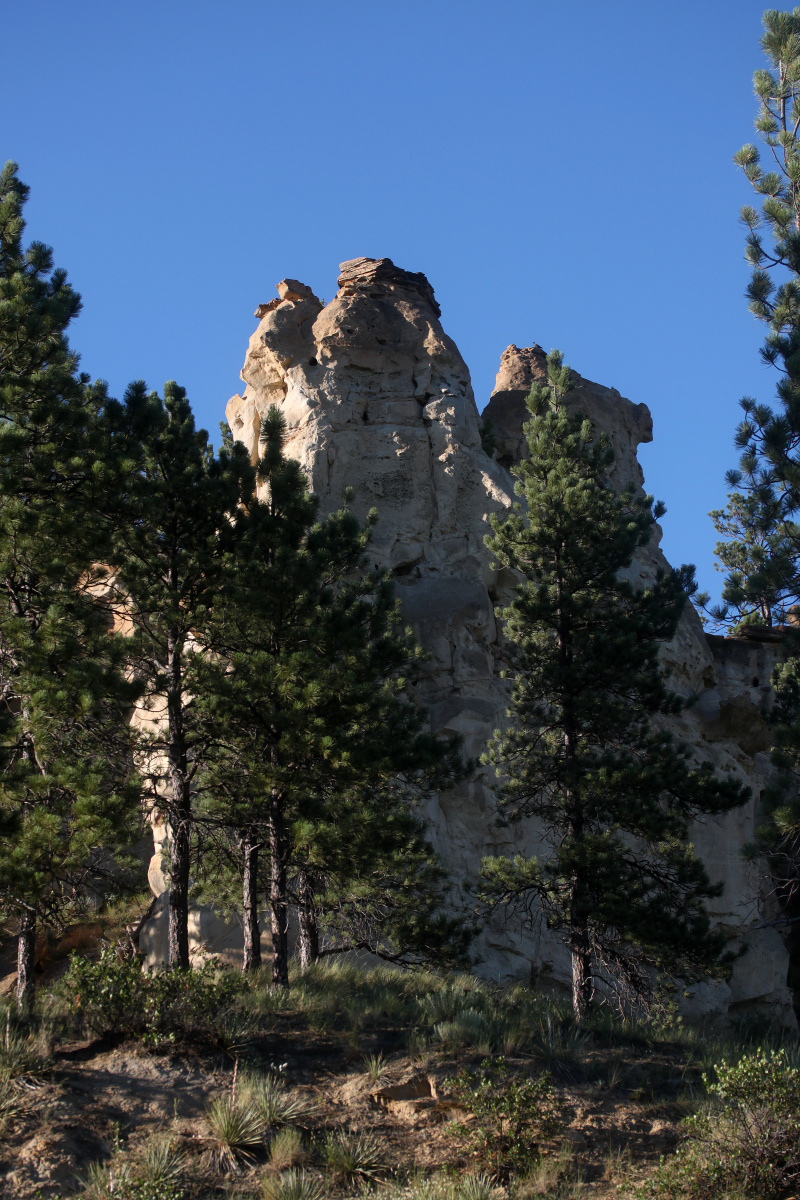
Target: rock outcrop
(378,398)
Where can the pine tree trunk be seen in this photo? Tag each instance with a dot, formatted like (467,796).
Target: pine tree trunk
(279,909)
(26,957)
(582,984)
(180,814)
(582,981)
(308,947)
(251,957)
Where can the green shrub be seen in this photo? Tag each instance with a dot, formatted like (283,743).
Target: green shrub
(513,1114)
(115,996)
(746,1140)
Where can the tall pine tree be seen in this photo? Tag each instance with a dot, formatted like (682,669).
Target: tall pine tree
(66,795)
(617,877)
(308,721)
(167,562)
(762,555)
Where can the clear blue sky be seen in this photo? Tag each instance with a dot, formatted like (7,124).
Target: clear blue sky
(561,172)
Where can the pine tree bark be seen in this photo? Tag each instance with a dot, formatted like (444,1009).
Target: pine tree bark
(251,957)
(582,979)
(279,909)
(26,958)
(582,984)
(308,946)
(180,812)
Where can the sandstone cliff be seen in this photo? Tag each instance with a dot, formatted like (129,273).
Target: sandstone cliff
(378,398)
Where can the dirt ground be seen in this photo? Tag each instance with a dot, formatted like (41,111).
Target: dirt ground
(100,1096)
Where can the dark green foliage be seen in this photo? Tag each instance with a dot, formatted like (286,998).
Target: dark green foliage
(758,558)
(513,1115)
(170,534)
(617,876)
(762,553)
(314,750)
(761,557)
(67,799)
(778,834)
(115,996)
(745,1144)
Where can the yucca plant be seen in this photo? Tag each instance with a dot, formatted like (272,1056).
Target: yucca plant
(162,1164)
(471,1028)
(274,1103)
(557,1045)
(446,1003)
(9,1101)
(236,1129)
(104,1181)
(351,1156)
(234,1031)
(292,1185)
(374,1067)
(22,1057)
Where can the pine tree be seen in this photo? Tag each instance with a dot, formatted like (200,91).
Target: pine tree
(764,567)
(758,558)
(617,877)
(167,558)
(762,557)
(305,698)
(67,800)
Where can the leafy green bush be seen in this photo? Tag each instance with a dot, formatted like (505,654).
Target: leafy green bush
(745,1142)
(513,1115)
(115,996)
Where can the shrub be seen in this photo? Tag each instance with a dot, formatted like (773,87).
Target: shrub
(745,1142)
(513,1115)
(115,996)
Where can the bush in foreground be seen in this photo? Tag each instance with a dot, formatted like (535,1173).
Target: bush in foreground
(745,1143)
(114,996)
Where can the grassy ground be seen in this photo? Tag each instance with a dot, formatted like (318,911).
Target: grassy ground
(385,1082)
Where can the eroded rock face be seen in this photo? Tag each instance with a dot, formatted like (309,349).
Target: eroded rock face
(378,398)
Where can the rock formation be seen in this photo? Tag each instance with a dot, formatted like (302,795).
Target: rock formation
(378,398)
